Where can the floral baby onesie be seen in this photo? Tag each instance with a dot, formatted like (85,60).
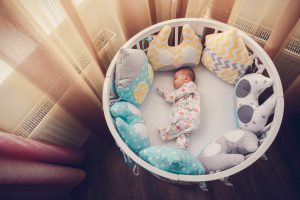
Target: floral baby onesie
(185,114)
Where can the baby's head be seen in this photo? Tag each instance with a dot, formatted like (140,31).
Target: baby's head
(183,75)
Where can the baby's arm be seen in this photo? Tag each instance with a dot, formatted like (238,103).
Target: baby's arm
(167,96)
(176,94)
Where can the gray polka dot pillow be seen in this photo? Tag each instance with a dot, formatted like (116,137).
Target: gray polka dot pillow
(250,115)
(133,76)
(228,150)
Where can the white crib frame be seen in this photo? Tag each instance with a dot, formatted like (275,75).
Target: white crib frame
(198,24)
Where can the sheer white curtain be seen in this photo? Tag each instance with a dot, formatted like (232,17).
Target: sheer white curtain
(53,76)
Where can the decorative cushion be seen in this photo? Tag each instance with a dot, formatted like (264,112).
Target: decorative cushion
(250,115)
(133,76)
(228,150)
(172,159)
(164,57)
(226,55)
(131,125)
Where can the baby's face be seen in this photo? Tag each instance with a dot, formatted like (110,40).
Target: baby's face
(180,77)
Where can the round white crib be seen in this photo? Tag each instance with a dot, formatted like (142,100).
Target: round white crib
(198,26)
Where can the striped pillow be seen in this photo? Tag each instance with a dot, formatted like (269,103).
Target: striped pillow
(226,55)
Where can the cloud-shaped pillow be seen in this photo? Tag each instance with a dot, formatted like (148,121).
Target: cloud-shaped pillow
(133,76)
(228,150)
(250,115)
(130,125)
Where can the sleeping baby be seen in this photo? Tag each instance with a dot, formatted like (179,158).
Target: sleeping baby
(185,114)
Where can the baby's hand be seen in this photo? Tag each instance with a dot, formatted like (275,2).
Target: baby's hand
(167,96)
(160,91)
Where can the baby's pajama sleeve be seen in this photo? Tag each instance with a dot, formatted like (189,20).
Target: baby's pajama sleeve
(167,96)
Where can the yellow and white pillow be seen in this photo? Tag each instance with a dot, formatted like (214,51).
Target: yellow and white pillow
(226,55)
(164,57)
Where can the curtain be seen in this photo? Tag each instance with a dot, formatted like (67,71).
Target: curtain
(52,75)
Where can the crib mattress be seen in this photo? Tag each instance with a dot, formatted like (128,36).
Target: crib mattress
(217,112)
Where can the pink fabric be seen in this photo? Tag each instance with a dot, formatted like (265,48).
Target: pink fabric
(19,147)
(23,172)
(25,163)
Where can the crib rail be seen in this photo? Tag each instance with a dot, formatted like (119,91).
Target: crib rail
(199,25)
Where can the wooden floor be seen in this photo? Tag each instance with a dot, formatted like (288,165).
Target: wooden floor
(278,178)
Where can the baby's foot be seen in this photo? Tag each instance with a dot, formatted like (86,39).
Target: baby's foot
(182,141)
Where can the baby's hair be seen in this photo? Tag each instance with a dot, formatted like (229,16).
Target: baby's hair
(189,71)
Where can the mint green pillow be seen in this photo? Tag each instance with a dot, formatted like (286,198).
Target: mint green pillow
(130,125)
(135,136)
(172,159)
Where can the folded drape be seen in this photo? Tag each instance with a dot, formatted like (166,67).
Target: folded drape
(32,169)
(19,147)
(23,172)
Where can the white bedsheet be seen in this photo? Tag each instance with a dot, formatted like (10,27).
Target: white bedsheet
(216,109)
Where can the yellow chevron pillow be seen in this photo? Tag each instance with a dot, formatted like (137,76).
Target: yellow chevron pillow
(226,55)
(164,57)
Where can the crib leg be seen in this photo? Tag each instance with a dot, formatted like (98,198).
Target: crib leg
(226,182)
(264,157)
(203,186)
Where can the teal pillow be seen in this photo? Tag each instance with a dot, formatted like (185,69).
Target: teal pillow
(172,159)
(130,125)
(127,111)
(133,76)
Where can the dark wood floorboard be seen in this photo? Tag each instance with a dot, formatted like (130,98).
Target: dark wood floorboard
(108,178)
